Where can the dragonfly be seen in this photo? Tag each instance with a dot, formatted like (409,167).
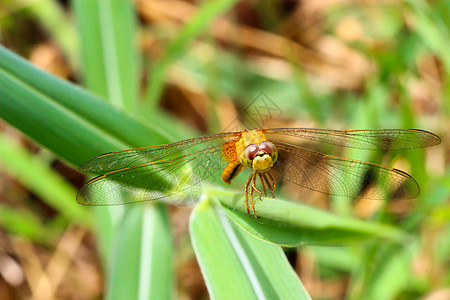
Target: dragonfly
(157,172)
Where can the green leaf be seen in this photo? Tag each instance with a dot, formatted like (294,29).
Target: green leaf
(383,271)
(65,118)
(236,265)
(392,276)
(141,266)
(289,224)
(339,258)
(109,52)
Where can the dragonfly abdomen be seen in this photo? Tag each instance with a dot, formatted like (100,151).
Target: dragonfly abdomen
(231,170)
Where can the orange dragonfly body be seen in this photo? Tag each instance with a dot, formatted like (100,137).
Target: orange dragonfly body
(156,172)
(251,149)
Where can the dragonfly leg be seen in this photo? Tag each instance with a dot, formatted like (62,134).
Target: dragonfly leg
(272,189)
(262,182)
(253,188)
(246,192)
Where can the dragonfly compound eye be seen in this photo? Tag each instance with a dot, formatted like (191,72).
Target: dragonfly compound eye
(270,149)
(249,154)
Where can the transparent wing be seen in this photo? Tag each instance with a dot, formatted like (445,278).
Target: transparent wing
(134,157)
(371,139)
(152,173)
(343,177)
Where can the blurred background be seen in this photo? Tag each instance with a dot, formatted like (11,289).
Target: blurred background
(326,64)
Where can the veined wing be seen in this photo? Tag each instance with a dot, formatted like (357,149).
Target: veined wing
(136,157)
(152,173)
(370,139)
(340,176)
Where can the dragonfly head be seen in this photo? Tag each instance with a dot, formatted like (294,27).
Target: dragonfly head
(260,157)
